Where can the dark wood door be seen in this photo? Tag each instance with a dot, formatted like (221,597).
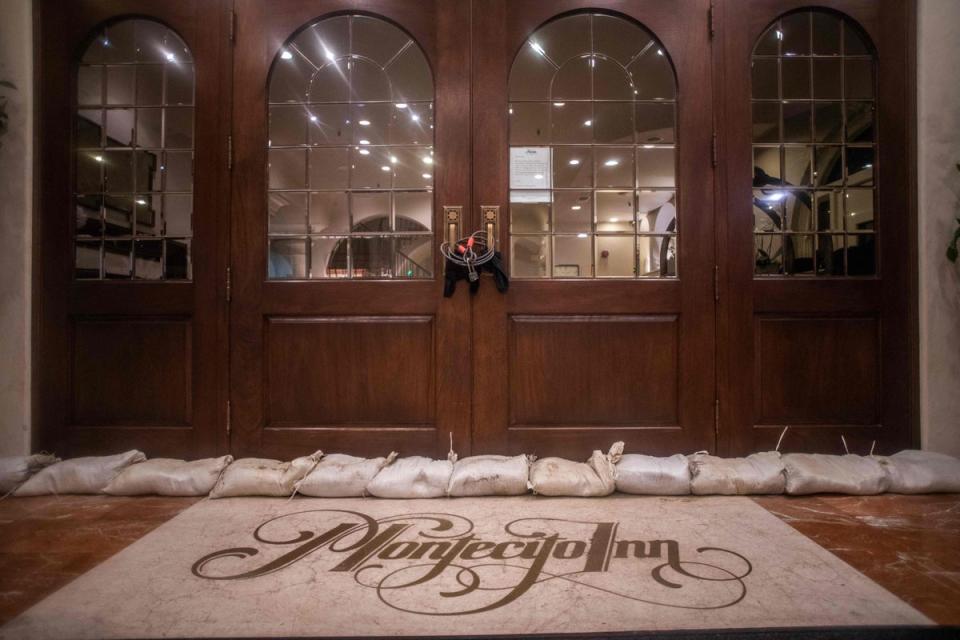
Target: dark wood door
(592,136)
(817,311)
(129,307)
(350,136)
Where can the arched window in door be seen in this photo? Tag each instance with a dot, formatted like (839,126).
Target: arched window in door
(133,147)
(350,179)
(814,147)
(593,188)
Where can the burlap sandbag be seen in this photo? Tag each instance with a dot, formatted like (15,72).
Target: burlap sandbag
(79,475)
(490,476)
(759,473)
(166,477)
(14,470)
(818,473)
(561,477)
(338,475)
(413,477)
(649,475)
(262,477)
(914,471)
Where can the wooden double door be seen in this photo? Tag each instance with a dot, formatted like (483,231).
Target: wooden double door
(336,144)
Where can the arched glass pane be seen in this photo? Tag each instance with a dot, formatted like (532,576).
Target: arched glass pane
(134,142)
(592,116)
(350,176)
(814,148)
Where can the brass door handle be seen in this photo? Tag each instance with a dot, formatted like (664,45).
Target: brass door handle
(453,218)
(491,223)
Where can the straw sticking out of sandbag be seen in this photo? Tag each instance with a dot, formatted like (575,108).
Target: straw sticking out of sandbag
(166,477)
(78,475)
(342,476)
(561,477)
(15,470)
(261,477)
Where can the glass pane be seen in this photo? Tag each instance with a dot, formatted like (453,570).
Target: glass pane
(828,121)
(572,167)
(798,254)
(797,121)
(826,79)
(610,80)
(329,212)
(411,77)
(769,43)
(118,171)
(89,128)
(179,84)
(529,217)
(572,256)
(177,264)
(563,39)
(656,166)
(830,255)
(414,257)
(614,167)
(829,165)
(854,43)
(149,127)
(370,211)
(413,125)
(328,257)
(530,76)
(655,123)
(290,80)
(328,124)
(90,85)
(288,125)
(368,82)
(148,260)
(120,84)
(796,34)
(615,211)
(179,128)
(117,215)
(657,256)
(373,257)
(287,258)
(796,78)
(653,77)
(147,213)
(798,208)
(859,207)
(572,123)
(615,256)
(178,167)
(529,256)
(860,166)
(766,166)
(857,79)
(829,210)
(118,44)
(287,213)
(860,121)
(370,168)
(656,211)
(530,123)
(149,174)
(572,80)
(826,34)
(87,259)
(861,255)
(572,212)
(766,82)
(613,122)
(768,210)
(768,254)
(288,168)
(150,84)
(413,210)
(120,127)
(409,170)
(796,166)
(618,39)
(88,215)
(89,165)
(766,122)
(377,40)
(117,259)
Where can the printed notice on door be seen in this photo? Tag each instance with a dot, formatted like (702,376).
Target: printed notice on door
(530,169)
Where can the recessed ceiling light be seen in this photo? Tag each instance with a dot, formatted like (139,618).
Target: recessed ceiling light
(427,176)
(582,235)
(401,105)
(538,176)
(611,163)
(576,207)
(364,152)
(427,160)
(393,159)
(171,57)
(587,123)
(574,161)
(286,55)
(363,123)
(385,168)
(313,118)
(559,104)
(614,219)
(415,118)
(364,141)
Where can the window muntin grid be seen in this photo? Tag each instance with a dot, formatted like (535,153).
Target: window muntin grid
(133,148)
(350,157)
(593,104)
(814,148)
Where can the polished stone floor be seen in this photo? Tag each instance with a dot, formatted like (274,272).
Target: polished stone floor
(908,544)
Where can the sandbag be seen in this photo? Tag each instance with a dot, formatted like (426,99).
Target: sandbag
(649,475)
(490,476)
(78,475)
(166,477)
(818,473)
(758,473)
(14,470)
(262,477)
(914,471)
(413,477)
(560,477)
(338,475)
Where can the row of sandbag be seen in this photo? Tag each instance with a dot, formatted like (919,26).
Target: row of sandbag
(340,475)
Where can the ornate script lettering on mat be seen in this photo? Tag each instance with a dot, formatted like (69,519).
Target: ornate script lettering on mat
(435,564)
